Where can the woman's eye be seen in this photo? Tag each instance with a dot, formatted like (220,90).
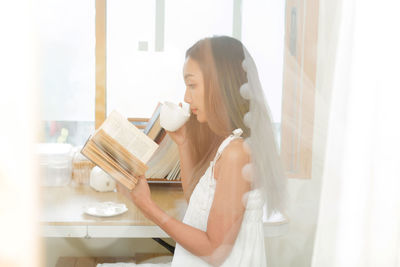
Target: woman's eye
(191,86)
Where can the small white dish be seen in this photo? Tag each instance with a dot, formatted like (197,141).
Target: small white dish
(105,209)
(172,116)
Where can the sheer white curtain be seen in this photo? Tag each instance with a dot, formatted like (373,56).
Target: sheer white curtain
(359,217)
(19,194)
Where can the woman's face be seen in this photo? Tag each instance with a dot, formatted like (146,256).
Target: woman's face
(194,94)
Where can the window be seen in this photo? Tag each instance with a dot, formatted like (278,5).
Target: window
(145,44)
(67,73)
(266,44)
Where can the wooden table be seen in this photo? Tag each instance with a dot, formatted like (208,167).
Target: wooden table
(63,212)
(63,216)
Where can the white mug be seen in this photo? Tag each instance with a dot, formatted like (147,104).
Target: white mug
(172,116)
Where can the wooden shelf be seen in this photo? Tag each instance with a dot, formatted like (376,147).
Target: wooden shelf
(162,181)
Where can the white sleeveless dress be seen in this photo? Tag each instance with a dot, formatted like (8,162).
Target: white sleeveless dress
(248,249)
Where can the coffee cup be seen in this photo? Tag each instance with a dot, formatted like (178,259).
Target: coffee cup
(172,116)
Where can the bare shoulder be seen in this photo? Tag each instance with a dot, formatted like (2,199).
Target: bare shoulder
(234,155)
(229,167)
(235,151)
(232,159)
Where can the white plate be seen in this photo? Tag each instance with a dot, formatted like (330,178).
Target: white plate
(105,209)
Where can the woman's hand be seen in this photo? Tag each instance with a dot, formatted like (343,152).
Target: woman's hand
(179,136)
(140,195)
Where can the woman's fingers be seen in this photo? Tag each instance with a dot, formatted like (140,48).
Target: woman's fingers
(123,190)
(141,179)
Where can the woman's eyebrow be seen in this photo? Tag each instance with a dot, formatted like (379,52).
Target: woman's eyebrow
(188,75)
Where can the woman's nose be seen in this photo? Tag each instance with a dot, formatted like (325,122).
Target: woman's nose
(188,97)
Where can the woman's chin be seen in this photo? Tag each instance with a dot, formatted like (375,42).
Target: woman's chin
(200,119)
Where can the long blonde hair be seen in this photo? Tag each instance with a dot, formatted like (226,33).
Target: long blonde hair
(220,59)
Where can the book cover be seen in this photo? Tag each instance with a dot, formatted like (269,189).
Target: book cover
(152,121)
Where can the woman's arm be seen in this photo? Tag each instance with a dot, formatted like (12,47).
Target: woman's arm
(226,213)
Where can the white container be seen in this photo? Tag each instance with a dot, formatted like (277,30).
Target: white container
(101,181)
(55,162)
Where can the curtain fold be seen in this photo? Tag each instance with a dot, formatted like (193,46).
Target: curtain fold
(359,215)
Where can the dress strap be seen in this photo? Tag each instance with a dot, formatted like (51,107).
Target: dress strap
(235,134)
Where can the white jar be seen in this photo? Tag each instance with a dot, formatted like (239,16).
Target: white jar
(101,181)
(55,163)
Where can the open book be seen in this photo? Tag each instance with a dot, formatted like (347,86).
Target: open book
(120,149)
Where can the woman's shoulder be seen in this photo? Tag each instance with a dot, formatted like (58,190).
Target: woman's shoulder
(232,160)
(233,157)
(235,152)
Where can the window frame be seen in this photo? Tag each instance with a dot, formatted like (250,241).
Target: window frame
(298,92)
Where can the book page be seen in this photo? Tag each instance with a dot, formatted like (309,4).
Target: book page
(120,154)
(98,157)
(130,137)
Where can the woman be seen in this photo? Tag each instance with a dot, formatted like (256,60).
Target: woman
(223,223)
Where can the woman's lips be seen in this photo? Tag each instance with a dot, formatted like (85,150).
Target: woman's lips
(194,110)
